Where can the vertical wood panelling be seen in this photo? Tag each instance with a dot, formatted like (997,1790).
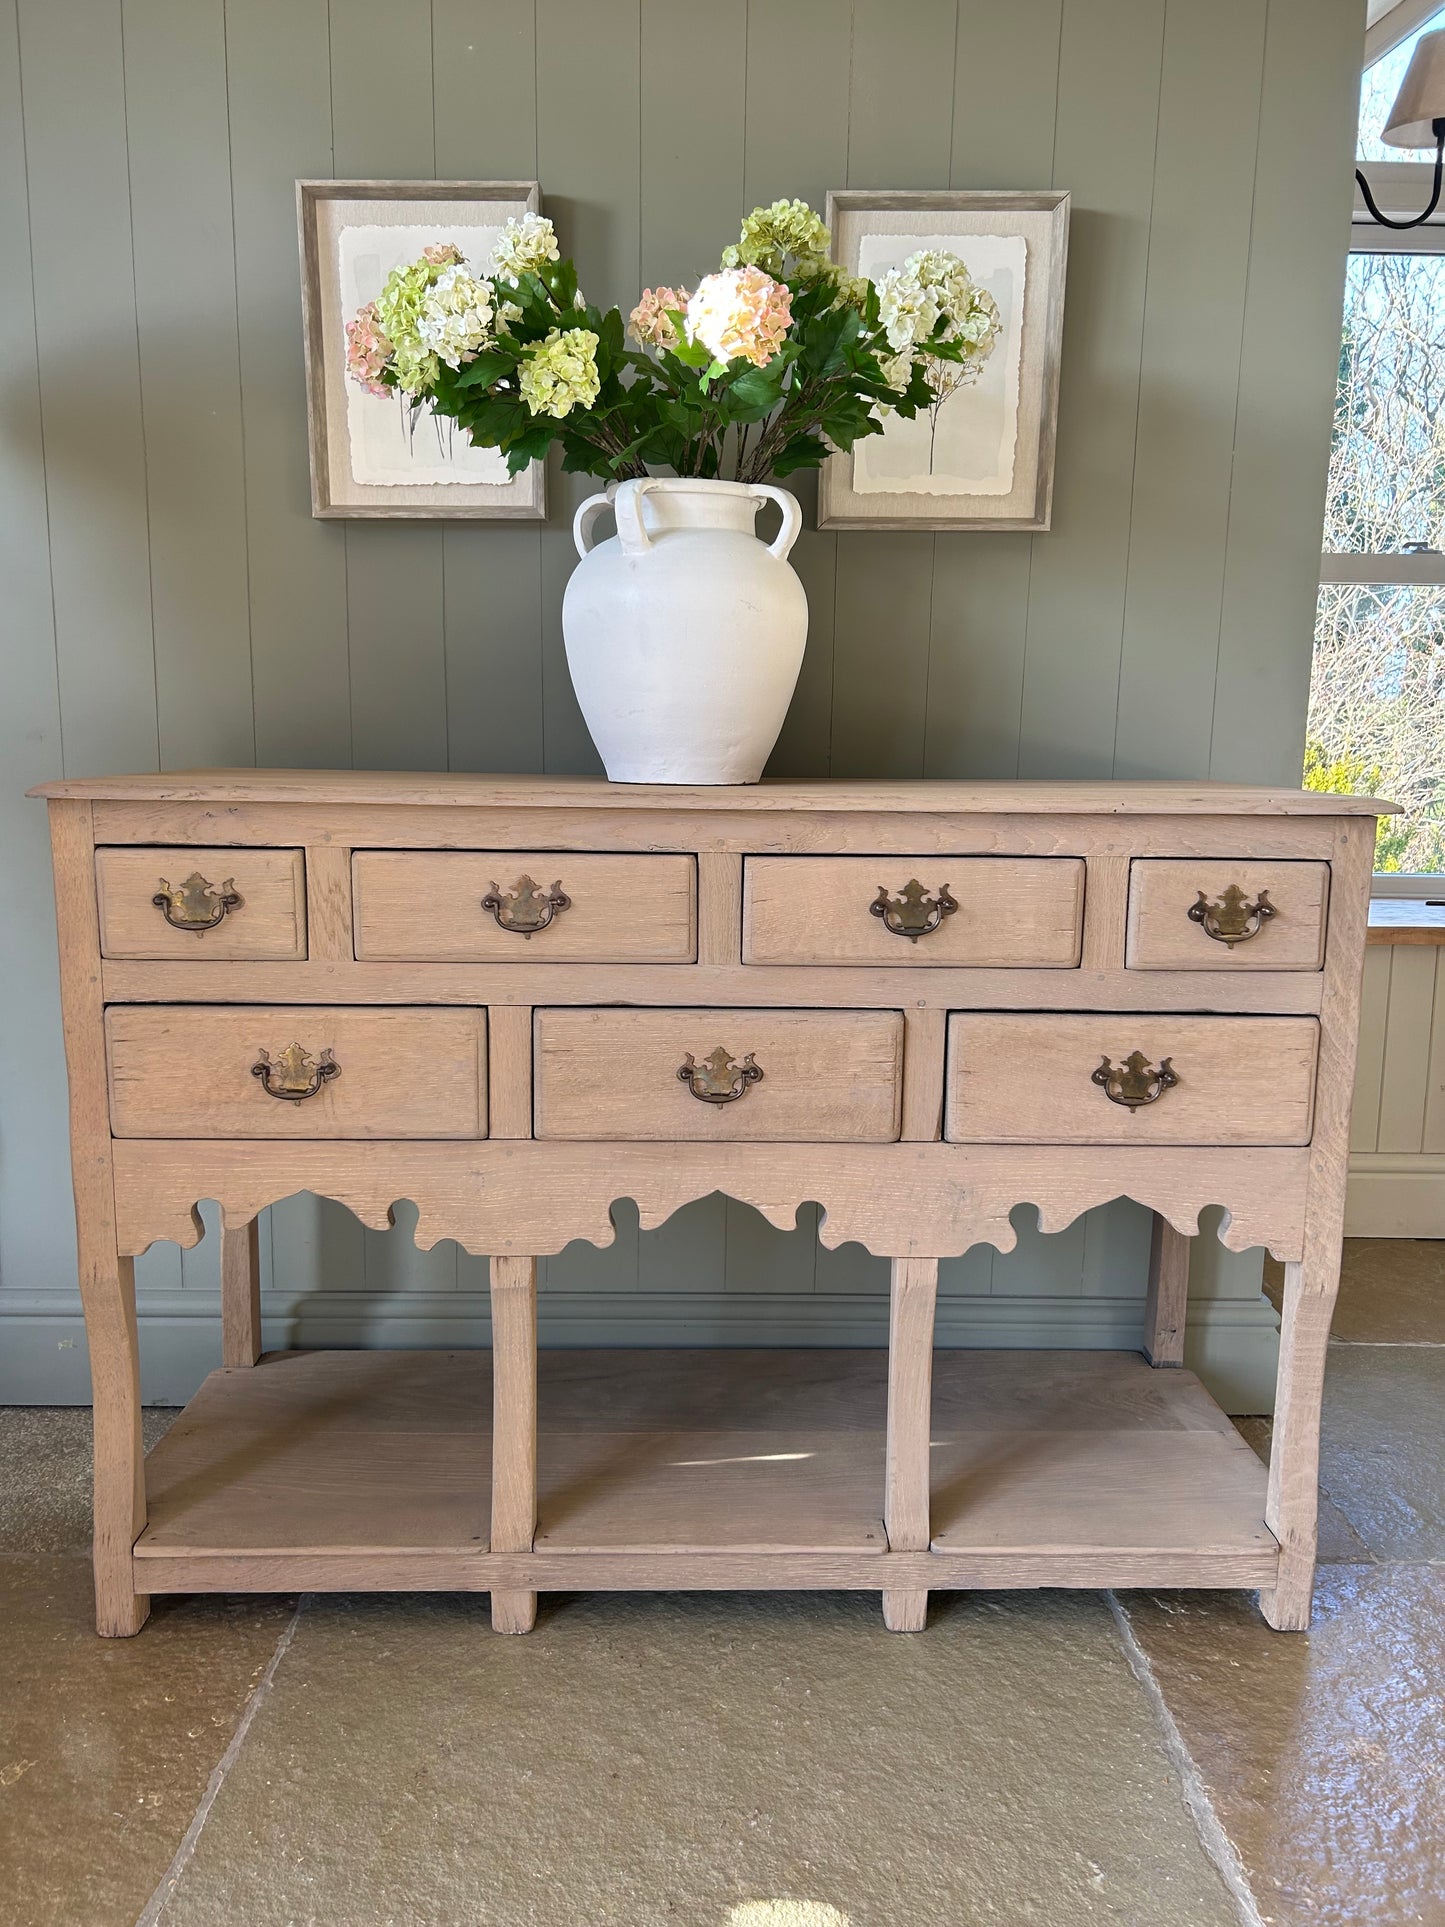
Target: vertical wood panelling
(1405,1079)
(1433,1138)
(185,281)
(154,466)
(1370,1060)
(85,324)
(1287,374)
(1193,316)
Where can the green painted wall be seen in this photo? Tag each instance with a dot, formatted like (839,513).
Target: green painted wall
(169,600)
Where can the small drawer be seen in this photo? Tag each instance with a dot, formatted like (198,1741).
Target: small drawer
(1044,1079)
(1215,913)
(515,906)
(773,1076)
(296,1072)
(984,911)
(192,905)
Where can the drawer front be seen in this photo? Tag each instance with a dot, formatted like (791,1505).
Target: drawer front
(774,1076)
(533,906)
(190,1072)
(913,910)
(1220,914)
(215,905)
(1031,1079)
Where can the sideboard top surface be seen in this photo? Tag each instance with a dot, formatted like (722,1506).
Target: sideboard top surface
(460,790)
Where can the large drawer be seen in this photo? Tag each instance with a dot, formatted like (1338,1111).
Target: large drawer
(823,1077)
(1217,913)
(193,905)
(533,906)
(296,1072)
(1042,1079)
(913,910)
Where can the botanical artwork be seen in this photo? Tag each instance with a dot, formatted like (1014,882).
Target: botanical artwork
(964,441)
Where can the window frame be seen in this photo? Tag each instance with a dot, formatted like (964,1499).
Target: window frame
(1399,187)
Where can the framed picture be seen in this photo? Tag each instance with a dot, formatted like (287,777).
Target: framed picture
(374,455)
(983,456)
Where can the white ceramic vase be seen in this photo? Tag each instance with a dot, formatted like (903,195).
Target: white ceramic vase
(685,631)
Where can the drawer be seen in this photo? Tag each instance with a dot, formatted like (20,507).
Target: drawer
(1204,913)
(546,906)
(217,905)
(188,1072)
(1010,911)
(1031,1079)
(822,1077)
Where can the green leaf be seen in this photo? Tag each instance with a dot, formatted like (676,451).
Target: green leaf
(489,366)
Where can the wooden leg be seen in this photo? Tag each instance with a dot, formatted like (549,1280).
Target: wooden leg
(108,1287)
(914,1291)
(1291,1510)
(1167,1306)
(514,1428)
(240,1295)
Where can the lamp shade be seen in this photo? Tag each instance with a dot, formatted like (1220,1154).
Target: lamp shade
(1421,98)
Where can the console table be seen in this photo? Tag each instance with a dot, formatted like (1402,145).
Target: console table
(515,1000)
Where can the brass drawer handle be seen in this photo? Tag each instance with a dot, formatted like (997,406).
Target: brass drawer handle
(912,913)
(1133,1082)
(196,904)
(1234,919)
(718,1080)
(295,1075)
(525,908)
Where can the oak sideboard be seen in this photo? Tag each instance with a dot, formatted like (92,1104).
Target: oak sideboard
(515,1000)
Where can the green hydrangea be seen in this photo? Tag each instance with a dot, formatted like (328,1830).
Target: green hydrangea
(770,234)
(560,373)
(399,313)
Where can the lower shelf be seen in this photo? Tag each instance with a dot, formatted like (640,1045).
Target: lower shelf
(700,1469)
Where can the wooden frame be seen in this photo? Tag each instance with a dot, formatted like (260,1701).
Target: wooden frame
(1028,502)
(335,493)
(859,1470)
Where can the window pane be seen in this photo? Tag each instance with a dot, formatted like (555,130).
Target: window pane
(1377,711)
(1387,459)
(1378,89)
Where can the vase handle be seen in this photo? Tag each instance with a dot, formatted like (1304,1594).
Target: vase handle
(787,535)
(627,505)
(582,521)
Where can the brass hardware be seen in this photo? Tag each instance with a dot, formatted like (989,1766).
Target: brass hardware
(1133,1082)
(195,904)
(913,913)
(1234,919)
(295,1074)
(525,909)
(718,1080)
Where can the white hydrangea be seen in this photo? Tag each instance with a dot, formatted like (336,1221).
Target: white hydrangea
(457,315)
(525,245)
(930,284)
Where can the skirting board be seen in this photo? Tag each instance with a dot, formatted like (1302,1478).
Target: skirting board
(1395,1195)
(1232,1344)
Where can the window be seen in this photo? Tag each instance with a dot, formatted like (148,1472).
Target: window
(1377,692)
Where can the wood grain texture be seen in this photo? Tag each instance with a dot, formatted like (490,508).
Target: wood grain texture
(514,1430)
(1162,936)
(1400,921)
(328,896)
(924,1048)
(240,1295)
(1166,1305)
(828,1077)
(719,907)
(509,1071)
(908,1476)
(269,922)
(1104,905)
(1012,912)
(1029,1080)
(188,1073)
(428,906)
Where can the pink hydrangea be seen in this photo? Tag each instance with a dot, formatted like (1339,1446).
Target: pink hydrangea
(740,314)
(650,323)
(367,351)
(442,254)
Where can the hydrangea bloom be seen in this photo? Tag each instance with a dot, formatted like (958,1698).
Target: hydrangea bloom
(456,316)
(930,285)
(771,233)
(525,245)
(650,324)
(560,373)
(442,254)
(367,351)
(740,314)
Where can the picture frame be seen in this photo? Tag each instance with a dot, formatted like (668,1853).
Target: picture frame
(363,447)
(995,438)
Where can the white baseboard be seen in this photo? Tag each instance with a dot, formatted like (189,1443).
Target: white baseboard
(1395,1195)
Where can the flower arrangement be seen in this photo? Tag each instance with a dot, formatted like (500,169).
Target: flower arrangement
(767,366)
